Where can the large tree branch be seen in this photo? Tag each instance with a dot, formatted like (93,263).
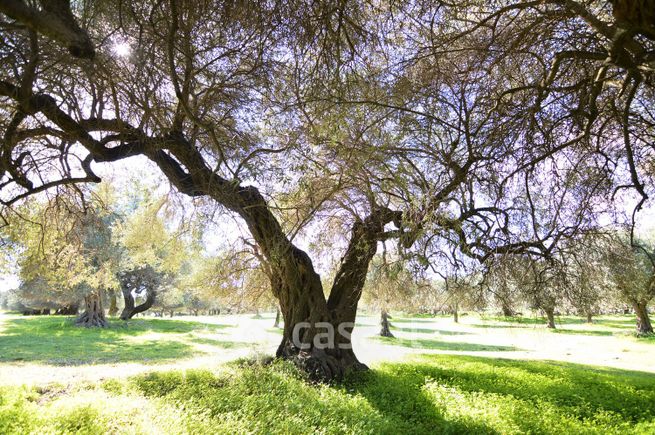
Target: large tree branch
(349,280)
(54,20)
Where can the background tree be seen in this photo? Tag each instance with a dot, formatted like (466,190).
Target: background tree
(632,272)
(389,285)
(66,255)
(151,254)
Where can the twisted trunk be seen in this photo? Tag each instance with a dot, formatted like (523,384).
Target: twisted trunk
(130,310)
(385,326)
(94,313)
(316,334)
(644,325)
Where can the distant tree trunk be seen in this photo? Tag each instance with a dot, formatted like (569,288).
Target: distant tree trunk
(172,313)
(644,326)
(130,310)
(94,313)
(507,310)
(456,312)
(550,315)
(385,326)
(113,306)
(589,317)
(277,319)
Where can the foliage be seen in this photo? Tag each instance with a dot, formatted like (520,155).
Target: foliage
(391,285)
(631,269)
(65,249)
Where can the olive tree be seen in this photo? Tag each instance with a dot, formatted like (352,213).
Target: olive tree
(445,127)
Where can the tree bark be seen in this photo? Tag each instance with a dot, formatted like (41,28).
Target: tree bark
(54,20)
(128,305)
(277,319)
(113,306)
(589,317)
(130,310)
(644,325)
(302,302)
(94,313)
(456,312)
(550,315)
(385,326)
(507,310)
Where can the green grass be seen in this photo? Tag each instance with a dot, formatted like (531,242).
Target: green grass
(414,329)
(433,394)
(57,341)
(424,343)
(422,330)
(413,319)
(598,332)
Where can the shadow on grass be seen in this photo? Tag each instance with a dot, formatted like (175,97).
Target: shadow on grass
(597,332)
(427,330)
(275,398)
(57,341)
(424,343)
(519,396)
(617,325)
(223,344)
(413,319)
(411,329)
(650,338)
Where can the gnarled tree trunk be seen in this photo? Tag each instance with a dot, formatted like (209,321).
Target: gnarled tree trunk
(385,326)
(317,332)
(130,310)
(550,316)
(644,325)
(94,313)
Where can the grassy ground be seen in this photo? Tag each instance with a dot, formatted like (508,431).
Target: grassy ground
(431,394)
(57,341)
(105,380)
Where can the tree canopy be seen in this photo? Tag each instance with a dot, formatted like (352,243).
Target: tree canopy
(464,129)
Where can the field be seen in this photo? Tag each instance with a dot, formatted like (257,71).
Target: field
(202,375)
